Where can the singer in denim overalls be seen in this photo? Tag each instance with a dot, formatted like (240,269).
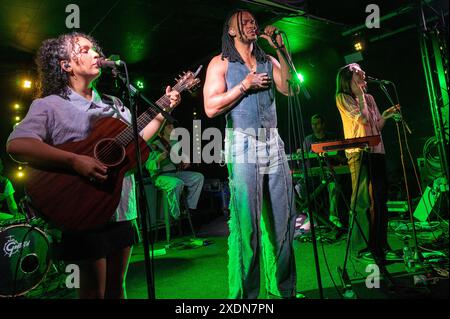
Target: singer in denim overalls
(241,82)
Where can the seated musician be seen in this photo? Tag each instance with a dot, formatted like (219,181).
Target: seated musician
(320,134)
(7,197)
(170,177)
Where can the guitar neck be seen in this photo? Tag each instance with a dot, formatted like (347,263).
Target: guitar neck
(126,136)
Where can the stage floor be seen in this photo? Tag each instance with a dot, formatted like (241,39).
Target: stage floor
(191,271)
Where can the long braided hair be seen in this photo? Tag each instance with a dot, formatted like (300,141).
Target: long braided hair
(229,50)
(52,78)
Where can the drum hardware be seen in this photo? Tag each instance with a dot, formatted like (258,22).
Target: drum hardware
(25,259)
(26,248)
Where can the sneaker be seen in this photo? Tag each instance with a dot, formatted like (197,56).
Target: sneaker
(298,295)
(367,256)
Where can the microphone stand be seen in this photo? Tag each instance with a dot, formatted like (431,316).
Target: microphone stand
(136,93)
(294,100)
(417,257)
(142,206)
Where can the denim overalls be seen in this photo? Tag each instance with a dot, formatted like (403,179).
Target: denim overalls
(262,204)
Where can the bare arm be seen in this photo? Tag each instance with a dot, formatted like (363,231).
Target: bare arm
(281,74)
(216,97)
(281,70)
(352,108)
(362,104)
(39,153)
(12,206)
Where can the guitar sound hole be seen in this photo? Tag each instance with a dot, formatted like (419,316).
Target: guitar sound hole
(109,152)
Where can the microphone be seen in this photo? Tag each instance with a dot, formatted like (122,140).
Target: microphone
(273,37)
(106,63)
(274,34)
(375,80)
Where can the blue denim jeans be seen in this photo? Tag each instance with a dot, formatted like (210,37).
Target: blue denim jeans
(173,184)
(262,216)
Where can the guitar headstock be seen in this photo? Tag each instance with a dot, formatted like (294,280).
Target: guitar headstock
(188,81)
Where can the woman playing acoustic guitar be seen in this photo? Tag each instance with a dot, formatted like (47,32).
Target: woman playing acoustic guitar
(67,107)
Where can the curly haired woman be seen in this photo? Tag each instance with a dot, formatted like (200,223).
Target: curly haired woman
(66,109)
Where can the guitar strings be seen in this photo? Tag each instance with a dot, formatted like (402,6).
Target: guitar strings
(123,137)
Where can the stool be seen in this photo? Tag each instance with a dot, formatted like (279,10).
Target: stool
(163,209)
(158,207)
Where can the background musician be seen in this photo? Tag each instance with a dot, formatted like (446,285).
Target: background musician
(173,178)
(320,134)
(8,206)
(361,117)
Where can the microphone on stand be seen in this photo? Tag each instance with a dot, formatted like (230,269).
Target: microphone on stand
(106,63)
(375,80)
(274,34)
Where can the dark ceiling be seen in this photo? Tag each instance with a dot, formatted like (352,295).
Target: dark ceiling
(159,39)
(162,35)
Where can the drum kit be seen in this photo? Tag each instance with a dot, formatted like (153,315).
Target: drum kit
(25,253)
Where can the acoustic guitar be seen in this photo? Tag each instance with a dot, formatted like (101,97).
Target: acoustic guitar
(72,202)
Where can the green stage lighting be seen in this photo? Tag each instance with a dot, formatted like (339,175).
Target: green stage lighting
(140,84)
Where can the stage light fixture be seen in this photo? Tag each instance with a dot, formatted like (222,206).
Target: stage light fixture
(26,84)
(358,46)
(140,84)
(300,77)
(16,106)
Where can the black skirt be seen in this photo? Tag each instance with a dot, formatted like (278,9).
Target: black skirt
(98,243)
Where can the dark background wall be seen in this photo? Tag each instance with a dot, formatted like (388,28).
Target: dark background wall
(160,40)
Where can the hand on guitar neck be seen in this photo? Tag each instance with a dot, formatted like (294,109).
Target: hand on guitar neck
(174,98)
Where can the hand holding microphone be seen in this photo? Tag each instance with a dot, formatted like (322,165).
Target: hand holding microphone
(273,36)
(393,111)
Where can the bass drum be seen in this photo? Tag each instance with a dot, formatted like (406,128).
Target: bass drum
(24,259)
